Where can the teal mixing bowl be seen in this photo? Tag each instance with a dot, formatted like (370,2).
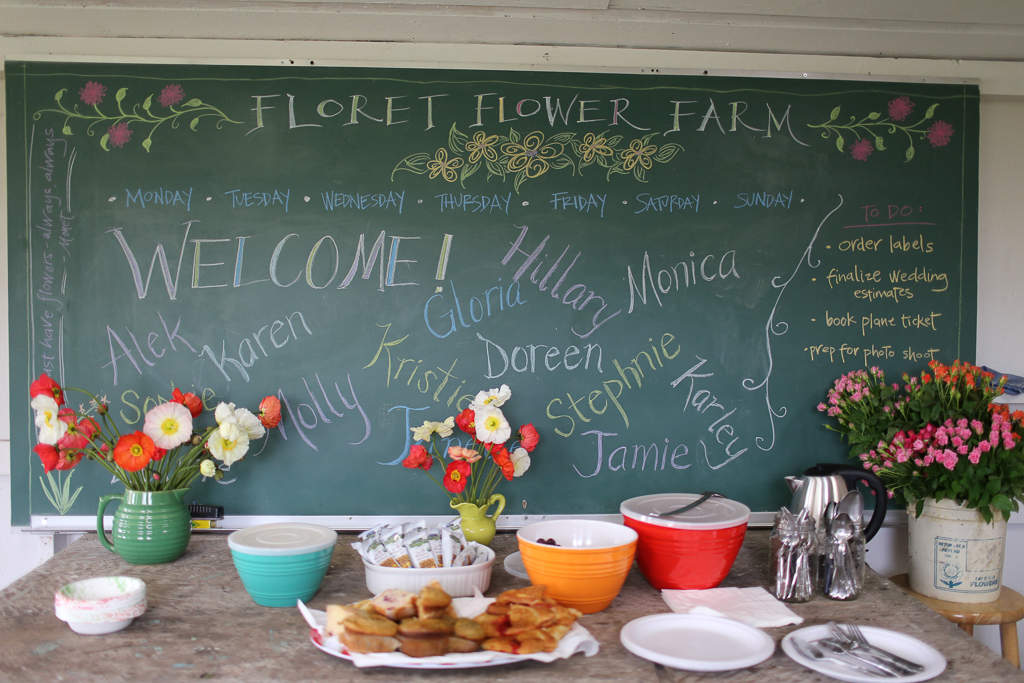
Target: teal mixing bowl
(280,564)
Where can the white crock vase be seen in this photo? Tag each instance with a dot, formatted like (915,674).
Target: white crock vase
(955,555)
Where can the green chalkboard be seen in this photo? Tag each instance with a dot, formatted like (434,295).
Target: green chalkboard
(668,271)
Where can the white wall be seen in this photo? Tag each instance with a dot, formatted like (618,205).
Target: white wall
(1000,324)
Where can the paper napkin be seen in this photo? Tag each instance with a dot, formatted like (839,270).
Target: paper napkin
(753,606)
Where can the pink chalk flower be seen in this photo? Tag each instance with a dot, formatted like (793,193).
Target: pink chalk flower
(92,93)
(119,134)
(940,133)
(861,149)
(900,108)
(171,94)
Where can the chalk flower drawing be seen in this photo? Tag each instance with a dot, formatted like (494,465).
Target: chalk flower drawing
(900,108)
(482,146)
(171,94)
(595,148)
(874,125)
(92,93)
(443,166)
(533,155)
(118,134)
(117,122)
(940,133)
(861,149)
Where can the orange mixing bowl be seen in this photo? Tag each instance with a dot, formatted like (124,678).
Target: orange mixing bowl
(587,567)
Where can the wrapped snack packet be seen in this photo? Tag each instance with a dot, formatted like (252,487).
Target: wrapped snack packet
(373,550)
(394,542)
(419,550)
(434,537)
(451,545)
(467,556)
(455,526)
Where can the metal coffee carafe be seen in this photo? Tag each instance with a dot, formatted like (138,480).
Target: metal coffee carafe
(827,483)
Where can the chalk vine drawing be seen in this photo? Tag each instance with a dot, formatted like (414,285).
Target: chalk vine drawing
(868,130)
(525,157)
(119,123)
(773,328)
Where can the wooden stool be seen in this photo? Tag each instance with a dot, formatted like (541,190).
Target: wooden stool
(1006,611)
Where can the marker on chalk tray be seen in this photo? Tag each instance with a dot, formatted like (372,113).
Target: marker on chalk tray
(205,516)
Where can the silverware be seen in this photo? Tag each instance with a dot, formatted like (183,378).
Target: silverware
(811,651)
(860,642)
(707,495)
(837,648)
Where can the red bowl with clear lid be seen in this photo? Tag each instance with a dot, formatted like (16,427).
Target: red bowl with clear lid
(692,550)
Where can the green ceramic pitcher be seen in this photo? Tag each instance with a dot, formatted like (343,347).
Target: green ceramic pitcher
(150,527)
(476,525)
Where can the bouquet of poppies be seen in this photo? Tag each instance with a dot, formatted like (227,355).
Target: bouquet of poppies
(935,436)
(472,472)
(167,454)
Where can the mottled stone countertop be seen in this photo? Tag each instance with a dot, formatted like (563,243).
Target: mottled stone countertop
(202,625)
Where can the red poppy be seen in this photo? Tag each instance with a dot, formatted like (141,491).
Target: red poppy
(158,453)
(79,433)
(189,400)
(502,460)
(134,451)
(466,420)
(56,460)
(418,457)
(270,412)
(528,437)
(44,386)
(457,476)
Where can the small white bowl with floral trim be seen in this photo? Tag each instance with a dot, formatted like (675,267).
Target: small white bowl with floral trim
(101,605)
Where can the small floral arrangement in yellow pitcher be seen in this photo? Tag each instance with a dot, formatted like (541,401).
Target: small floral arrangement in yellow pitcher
(473,471)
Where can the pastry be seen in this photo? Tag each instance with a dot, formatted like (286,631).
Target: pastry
(370,633)
(467,636)
(425,637)
(395,604)
(433,602)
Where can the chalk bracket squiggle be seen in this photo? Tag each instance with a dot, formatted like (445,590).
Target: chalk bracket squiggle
(774,328)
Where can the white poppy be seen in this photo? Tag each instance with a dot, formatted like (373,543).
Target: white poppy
(491,425)
(51,428)
(442,429)
(495,398)
(228,443)
(249,423)
(224,412)
(520,461)
(207,468)
(169,425)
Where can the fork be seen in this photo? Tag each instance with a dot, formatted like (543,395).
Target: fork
(812,651)
(854,638)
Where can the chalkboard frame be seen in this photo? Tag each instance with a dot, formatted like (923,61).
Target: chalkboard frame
(967,294)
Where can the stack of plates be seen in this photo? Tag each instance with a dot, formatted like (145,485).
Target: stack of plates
(102,605)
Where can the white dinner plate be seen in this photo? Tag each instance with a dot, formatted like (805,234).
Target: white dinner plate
(696,642)
(514,566)
(893,641)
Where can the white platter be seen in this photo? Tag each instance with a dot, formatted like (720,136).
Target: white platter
(897,643)
(696,642)
(577,640)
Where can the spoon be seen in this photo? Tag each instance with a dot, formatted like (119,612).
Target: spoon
(707,495)
(853,505)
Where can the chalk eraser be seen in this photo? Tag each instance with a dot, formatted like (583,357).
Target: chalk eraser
(199,511)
